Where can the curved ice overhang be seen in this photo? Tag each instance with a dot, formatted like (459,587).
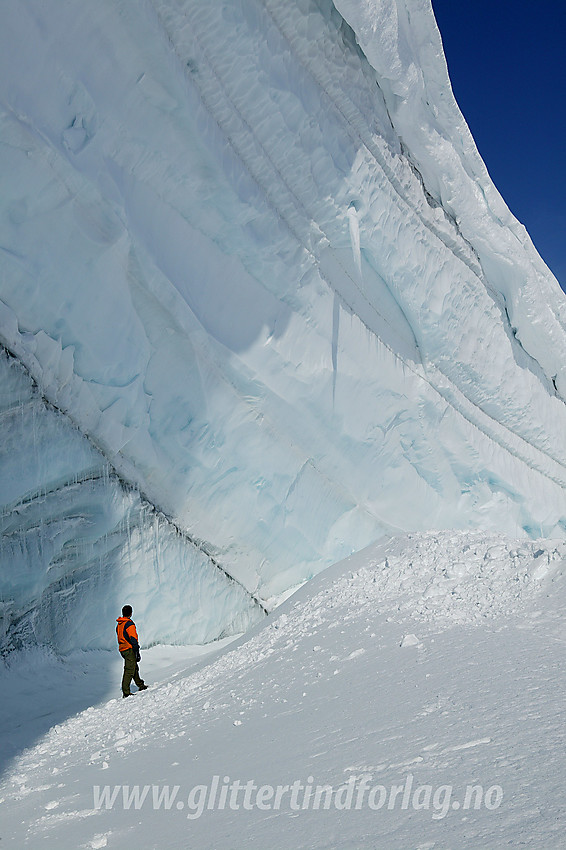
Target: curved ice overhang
(402,43)
(233,257)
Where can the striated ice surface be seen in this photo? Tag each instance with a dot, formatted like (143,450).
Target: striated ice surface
(249,250)
(75,542)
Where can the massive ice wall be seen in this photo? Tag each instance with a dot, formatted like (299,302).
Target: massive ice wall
(249,250)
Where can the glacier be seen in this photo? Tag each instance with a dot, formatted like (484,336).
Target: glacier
(260,306)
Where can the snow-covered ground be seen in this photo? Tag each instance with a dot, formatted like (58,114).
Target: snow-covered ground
(422,679)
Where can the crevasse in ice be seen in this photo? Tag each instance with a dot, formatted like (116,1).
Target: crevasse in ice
(251,258)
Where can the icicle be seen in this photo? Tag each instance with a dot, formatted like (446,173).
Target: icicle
(354,224)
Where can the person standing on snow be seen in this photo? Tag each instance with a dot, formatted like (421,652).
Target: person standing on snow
(129,650)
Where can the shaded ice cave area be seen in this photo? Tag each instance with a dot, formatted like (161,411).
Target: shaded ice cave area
(76,543)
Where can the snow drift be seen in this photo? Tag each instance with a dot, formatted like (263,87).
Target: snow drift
(268,305)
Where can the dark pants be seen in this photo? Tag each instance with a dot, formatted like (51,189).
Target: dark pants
(131,671)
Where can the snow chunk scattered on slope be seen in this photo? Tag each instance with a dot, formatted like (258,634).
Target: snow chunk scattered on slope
(458,577)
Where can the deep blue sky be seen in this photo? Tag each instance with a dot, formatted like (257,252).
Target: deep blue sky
(507,63)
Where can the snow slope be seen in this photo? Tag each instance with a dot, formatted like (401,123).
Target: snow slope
(248,250)
(432,662)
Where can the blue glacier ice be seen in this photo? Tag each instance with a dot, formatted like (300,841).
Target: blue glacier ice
(260,304)
(75,539)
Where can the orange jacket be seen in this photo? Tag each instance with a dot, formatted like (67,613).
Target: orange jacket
(127,635)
